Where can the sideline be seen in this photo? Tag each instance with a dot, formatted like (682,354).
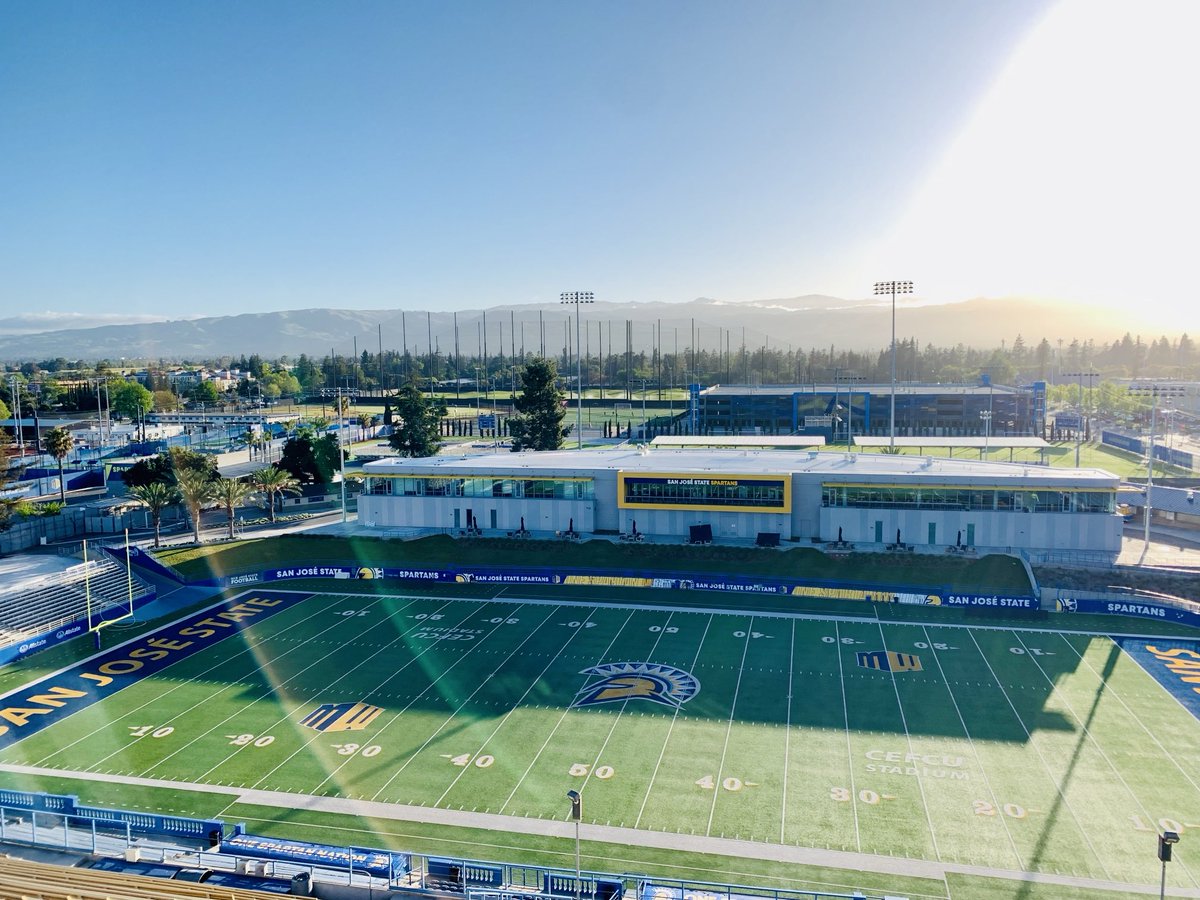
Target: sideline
(611,834)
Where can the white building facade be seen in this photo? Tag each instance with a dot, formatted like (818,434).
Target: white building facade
(868,500)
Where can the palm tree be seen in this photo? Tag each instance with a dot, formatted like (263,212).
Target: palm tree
(230,494)
(58,443)
(272,481)
(156,497)
(197,492)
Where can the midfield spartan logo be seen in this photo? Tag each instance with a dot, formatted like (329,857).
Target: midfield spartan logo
(341,717)
(619,682)
(889,661)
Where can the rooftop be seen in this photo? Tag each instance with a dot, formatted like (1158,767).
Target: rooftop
(846,466)
(844,387)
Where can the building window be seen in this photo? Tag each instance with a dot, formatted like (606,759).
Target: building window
(942,497)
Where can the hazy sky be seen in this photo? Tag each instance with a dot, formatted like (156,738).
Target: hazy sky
(183,159)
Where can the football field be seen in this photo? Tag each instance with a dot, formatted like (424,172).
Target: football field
(1017,750)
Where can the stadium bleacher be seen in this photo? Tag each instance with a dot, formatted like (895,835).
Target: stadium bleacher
(45,603)
(25,880)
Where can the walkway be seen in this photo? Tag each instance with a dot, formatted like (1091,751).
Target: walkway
(730,847)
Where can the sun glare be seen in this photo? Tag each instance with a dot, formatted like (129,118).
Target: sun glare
(1076,177)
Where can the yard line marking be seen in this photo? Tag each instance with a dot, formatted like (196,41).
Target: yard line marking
(417,626)
(1186,774)
(1087,734)
(566,709)
(670,728)
(464,702)
(712,811)
(273,688)
(621,712)
(261,663)
(533,682)
(908,738)
(974,750)
(837,635)
(1038,750)
(787,733)
(154,699)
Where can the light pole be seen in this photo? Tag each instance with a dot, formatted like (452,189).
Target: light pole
(16,399)
(986,416)
(576,815)
(1078,432)
(577,297)
(893,288)
(1165,841)
(645,423)
(1154,391)
(341,451)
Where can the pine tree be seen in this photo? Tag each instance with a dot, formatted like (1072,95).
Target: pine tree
(538,424)
(416,420)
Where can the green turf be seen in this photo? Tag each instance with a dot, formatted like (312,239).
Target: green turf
(993,574)
(1054,753)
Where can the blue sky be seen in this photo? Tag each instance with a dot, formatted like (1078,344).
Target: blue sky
(178,159)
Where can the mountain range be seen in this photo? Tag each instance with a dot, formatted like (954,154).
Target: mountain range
(803,322)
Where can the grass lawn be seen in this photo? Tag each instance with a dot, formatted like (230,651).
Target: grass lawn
(998,747)
(998,574)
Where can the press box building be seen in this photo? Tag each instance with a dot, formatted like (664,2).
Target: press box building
(800,496)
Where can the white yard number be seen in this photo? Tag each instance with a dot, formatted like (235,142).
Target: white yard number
(753,634)
(250,740)
(432,617)
(1032,651)
(669,629)
(501,621)
(580,624)
(936,645)
(832,640)
(351,749)
(579,770)
(353,612)
(150,731)
(481,762)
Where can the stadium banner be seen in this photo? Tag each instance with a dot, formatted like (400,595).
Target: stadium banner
(666,580)
(43,641)
(1131,607)
(991,600)
(31,708)
(720,493)
(379,863)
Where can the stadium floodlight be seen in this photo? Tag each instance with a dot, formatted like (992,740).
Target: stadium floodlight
(1153,391)
(1165,841)
(893,288)
(577,297)
(986,416)
(576,814)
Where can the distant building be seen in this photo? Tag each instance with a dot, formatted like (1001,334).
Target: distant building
(934,410)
